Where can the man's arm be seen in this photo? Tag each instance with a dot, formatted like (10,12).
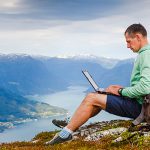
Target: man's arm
(143,86)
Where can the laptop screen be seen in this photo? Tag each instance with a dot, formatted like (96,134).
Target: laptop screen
(90,79)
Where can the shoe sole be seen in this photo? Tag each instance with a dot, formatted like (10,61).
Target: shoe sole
(60,142)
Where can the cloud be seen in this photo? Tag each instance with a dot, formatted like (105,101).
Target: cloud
(51,27)
(71,38)
(27,13)
(9,7)
(8,4)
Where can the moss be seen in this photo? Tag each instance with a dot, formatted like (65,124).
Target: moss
(45,136)
(136,142)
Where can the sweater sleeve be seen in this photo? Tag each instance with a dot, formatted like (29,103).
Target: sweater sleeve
(143,86)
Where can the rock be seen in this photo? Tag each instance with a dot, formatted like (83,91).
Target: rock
(35,141)
(146,134)
(98,135)
(119,139)
(124,137)
(129,135)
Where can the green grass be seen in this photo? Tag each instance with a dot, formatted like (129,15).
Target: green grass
(138,142)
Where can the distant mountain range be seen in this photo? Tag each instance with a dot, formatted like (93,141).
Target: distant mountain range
(28,75)
(22,75)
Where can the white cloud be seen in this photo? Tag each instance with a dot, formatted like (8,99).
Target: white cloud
(8,4)
(102,36)
(9,7)
(71,38)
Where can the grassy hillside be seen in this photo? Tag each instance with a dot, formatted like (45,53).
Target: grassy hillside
(105,143)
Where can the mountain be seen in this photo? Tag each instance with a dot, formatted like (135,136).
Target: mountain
(70,69)
(29,75)
(17,108)
(120,74)
(26,75)
(103,61)
(22,75)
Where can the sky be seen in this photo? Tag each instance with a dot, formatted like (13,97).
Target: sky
(70,27)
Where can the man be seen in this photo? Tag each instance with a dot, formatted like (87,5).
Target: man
(126,101)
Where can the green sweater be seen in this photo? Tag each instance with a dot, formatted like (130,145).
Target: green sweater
(140,78)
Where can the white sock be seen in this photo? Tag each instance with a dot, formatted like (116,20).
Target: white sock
(65,133)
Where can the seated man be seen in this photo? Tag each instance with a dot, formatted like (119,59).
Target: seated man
(128,100)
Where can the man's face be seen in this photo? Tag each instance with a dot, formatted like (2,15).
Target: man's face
(133,42)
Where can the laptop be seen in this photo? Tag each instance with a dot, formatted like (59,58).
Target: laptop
(93,83)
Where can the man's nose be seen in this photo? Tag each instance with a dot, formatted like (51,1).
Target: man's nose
(128,45)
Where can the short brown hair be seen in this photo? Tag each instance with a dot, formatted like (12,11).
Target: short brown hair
(136,28)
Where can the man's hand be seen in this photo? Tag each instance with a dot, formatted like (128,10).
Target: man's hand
(113,89)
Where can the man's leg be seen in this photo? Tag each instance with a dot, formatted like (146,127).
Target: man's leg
(90,106)
(63,123)
(96,110)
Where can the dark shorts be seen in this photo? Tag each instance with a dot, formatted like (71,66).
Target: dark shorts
(123,106)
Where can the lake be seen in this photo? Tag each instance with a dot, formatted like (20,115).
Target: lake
(68,99)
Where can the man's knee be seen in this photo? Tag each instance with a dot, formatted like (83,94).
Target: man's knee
(95,99)
(90,95)
(91,98)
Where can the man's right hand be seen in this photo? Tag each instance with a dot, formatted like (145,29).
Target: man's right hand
(113,89)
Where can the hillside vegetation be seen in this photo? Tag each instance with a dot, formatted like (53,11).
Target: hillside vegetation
(138,141)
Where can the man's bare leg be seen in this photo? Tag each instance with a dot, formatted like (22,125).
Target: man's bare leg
(96,110)
(90,106)
(87,109)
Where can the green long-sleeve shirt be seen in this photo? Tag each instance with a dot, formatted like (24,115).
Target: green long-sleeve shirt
(140,78)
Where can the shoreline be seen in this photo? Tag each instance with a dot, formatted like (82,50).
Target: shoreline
(13,124)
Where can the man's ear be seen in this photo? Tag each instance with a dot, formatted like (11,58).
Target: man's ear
(138,36)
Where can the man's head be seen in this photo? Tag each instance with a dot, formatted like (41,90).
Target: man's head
(136,37)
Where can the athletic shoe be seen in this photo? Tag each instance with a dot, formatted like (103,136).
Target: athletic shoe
(57,139)
(60,123)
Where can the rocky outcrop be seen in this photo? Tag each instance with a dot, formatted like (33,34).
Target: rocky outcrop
(100,135)
(96,136)
(114,128)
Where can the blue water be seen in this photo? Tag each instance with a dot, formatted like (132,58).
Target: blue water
(69,99)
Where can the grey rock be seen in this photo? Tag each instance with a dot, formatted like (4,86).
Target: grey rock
(98,135)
